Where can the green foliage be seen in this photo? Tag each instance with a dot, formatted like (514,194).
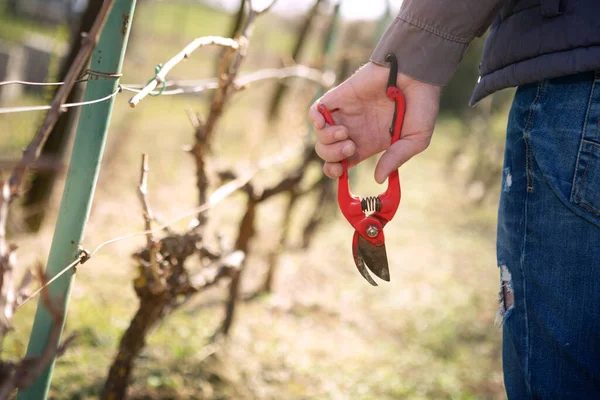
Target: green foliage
(180,19)
(15,29)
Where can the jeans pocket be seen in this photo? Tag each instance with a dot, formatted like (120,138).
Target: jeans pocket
(586,189)
(562,134)
(586,182)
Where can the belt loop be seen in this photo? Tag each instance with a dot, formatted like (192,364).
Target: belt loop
(551,8)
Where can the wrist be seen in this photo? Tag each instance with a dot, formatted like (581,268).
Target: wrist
(403,80)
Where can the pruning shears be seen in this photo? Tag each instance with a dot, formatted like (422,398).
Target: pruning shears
(369,215)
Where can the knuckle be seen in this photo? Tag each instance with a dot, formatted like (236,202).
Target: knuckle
(327,170)
(318,146)
(328,152)
(323,151)
(328,135)
(321,139)
(336,170)
(345,149)
(339,133)
(424,144)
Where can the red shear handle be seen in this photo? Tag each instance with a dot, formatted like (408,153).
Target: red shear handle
(393,93)
(349,204)
(390,199)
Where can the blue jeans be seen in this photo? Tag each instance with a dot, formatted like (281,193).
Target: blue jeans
(549,241)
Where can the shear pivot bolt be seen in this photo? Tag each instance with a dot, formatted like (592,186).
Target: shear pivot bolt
(372,231)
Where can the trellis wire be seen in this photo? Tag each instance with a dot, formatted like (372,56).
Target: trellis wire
(10,110)
(184,87)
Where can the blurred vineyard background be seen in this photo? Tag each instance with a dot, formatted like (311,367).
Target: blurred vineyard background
(321,332)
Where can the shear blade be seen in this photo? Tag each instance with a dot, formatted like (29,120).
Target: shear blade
(360,261)
(360,264)
(375,258)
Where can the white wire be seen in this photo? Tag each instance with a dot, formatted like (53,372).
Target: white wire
(183,87)
(26,83)
(132,87)
(10,110)
(129,88)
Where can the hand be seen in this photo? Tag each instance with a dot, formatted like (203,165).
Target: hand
(363,116)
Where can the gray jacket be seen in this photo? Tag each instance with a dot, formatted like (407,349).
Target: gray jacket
(529,40)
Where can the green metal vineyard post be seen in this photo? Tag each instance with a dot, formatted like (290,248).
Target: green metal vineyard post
(81,180)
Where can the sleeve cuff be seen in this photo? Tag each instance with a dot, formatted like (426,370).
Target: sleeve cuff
(424,53)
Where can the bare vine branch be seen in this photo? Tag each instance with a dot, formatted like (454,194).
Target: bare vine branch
(31,153)
(7,264)
(161,75)
(148,218)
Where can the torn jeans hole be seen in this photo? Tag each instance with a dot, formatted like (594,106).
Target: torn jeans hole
(507,181)
(506,296)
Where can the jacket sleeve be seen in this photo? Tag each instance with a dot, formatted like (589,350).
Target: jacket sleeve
(430,37)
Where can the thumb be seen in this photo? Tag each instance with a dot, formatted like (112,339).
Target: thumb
(399,153)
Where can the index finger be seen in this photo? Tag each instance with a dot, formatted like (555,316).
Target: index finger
(315,116)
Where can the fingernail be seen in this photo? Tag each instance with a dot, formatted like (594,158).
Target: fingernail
(340,134)
(348,150)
